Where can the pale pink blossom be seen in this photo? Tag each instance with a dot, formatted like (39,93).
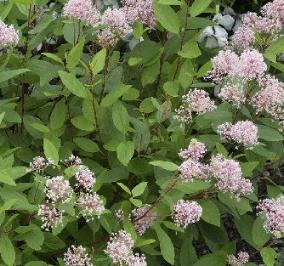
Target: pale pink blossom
(243,132)
(273,210)
(77,256)
(57,189)
(223,64)
(251,65)
(186,212)
(241,259)
(90,205)
(195,150)
(136,260)
(82,10)
(8,35)
(140,10)
(274,9)
(195,101)
(115,27)
(234,94)
(143,218)
(49,216)
(243,38)
(85,178)
(39,163)
(192,169)
(119,247)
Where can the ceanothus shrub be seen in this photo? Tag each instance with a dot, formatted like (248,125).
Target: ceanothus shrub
(126,139)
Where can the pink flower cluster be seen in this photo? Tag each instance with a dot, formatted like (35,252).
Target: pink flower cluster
(50,216)
(195,150)
(77,256)
(234,94)
(115,23)
(140,10)
(270,98)
(143,218)
(85,178)
(39,163)
(9,35)
(57,189)
(82,10)
(273,210)
(249,65)
(90,205)
(120,250)
(274,9)
(241,259)
(243,133)
(228,175)
(196,101)
(186,212)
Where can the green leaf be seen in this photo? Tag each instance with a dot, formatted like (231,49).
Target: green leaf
(166,245)
(190,50)
(268,255)
(125,151)
(58,115)
(125,188)
(75,54)
(248,167)
(114,95)
(32,235)
(87,144)
(40,127)
(73,84)
(139,189)
(274,49)
(167,17)
(98,61)
(214,259)
(42,25)
(6,75)
(259,235)
(199,6)
(269,134)
(2,117)
(169,166)
(7,205)
(6,179)
(82,123)
(120,117)
(7,250)
(210,212)
(50,151)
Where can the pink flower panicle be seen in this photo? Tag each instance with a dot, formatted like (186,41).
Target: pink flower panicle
(241,259)
(243,132)
(143,218)
(195,150)
(50,216)
(58,190)
(119,215)
(192,169)
(196,101)
(234,94)
(136,260)
(77,256)
(90,205)
(186,212)
(273,210)
(39,163)
(85,178)
(115,26)
(228,176)
(223,65)
(251,65)
(270,98)
(140,10)
(9,35)
(262,25)
(274,9)
(119,247)
(243,38)
(73,161)
(82,10)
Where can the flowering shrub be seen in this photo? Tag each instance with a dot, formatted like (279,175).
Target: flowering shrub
(126,139)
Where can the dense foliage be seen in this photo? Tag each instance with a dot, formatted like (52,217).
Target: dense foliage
(141,133)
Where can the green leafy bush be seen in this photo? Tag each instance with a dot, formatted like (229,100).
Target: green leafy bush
(126,141)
